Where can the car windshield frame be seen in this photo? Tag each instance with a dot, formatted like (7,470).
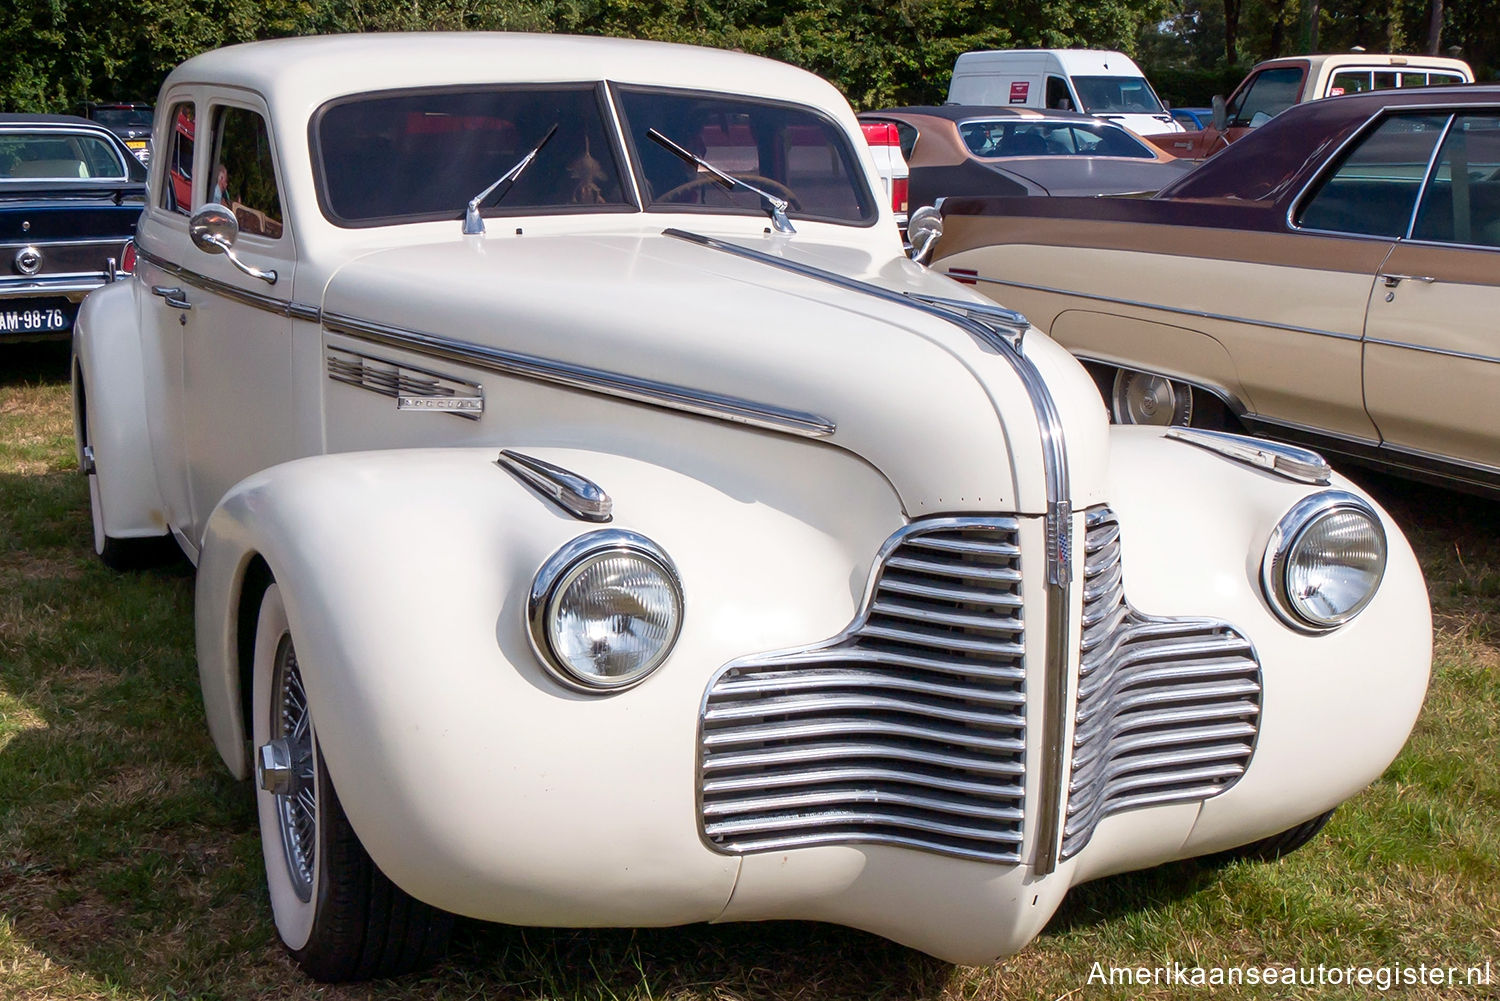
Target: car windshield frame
(627,202)
(1083,84)
(101,138)
(865,200)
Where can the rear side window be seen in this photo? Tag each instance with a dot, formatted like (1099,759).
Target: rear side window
(177,180)
(1461,203)
(54,155)
(1270,93)
(243,175)
(1373,188)
(993,139)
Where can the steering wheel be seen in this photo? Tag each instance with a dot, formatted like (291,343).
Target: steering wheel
(704,180)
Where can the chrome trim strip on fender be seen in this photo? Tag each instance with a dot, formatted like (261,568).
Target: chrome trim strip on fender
(413,388)
(1059,518)
(579,496)
(1299,465)
(590,380)
(1175,310)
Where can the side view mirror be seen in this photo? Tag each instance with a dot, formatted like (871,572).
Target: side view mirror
(1221,113)
(213,230)
(923,230)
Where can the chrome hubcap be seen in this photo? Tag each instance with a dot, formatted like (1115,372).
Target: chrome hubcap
(1142,398)
(285,768)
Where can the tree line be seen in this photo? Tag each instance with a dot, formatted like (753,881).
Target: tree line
(60,53)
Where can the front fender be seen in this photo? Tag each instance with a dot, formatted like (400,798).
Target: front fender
(1336,708)
(109,381)
(405,575)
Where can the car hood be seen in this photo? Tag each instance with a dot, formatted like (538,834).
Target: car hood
(945,417)
(1091,175)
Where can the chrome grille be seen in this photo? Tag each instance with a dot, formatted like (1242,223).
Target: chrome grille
(1167,708)
(908,729)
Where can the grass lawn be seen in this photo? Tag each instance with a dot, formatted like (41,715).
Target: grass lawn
(130,867)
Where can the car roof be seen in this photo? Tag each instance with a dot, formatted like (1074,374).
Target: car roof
(1262,163)
(49,121)
(966,112)
(1333,60)
(294,73)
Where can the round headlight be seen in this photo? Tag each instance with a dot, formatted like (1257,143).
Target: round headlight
(605,610)
(1324,561)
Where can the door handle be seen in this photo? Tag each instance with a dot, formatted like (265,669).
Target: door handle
(1391,281)
(173,295)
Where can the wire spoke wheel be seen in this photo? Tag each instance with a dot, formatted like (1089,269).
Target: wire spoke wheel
(297,806)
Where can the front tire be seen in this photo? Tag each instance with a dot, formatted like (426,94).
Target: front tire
(1274,847)
(336,913)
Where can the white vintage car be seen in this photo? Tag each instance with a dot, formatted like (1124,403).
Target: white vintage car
(583,484)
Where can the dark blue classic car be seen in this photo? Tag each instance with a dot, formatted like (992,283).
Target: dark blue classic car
(70,194)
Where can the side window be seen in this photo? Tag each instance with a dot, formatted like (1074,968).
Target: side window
(1373,188)
(1349,82)
(1058,98)
(243,176)
(1461,203)
(1270,93)
(177,179)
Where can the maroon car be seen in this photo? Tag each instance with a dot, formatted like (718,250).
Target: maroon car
(1333,277)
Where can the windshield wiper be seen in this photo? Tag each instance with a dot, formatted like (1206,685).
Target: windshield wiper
(473,221)
(775,207)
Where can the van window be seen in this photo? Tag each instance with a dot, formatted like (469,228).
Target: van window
(1058,97)
(1117,95)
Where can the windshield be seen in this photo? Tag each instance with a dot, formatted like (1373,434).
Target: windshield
(993,139)
(58,156)
(790,152)
(122,118)
(408,157)
(1117,95)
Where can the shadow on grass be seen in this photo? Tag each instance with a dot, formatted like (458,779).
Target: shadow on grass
(33,362)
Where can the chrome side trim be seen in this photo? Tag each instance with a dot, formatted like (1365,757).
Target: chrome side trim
(271,304)
(1059,518)
(102,241)
(1301,465)
(412,388)
(17,288)
(1445,352)
(579,496)
(907,728)
(1175,310)
(591,380)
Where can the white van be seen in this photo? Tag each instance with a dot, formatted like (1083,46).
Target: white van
(1095,81)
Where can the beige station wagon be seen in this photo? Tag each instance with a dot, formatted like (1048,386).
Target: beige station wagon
(1333,279)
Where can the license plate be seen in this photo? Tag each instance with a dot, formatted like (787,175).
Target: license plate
(136,144)
(35,319)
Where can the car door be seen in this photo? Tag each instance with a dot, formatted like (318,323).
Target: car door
(237,356)
(1432,343)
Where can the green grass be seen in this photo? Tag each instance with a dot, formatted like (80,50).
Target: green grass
(130,868)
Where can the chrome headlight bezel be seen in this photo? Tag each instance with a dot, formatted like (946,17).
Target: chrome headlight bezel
(1276,565)
(561,569)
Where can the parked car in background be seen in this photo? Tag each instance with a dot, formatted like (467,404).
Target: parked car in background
(70,193)
(963,150)
(130,120)
(1193,119)
(1097,82)
(599,521)
(1277,84)
(1330,279)
(890,164)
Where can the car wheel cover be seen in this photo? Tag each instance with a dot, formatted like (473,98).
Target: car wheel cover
(297,808)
